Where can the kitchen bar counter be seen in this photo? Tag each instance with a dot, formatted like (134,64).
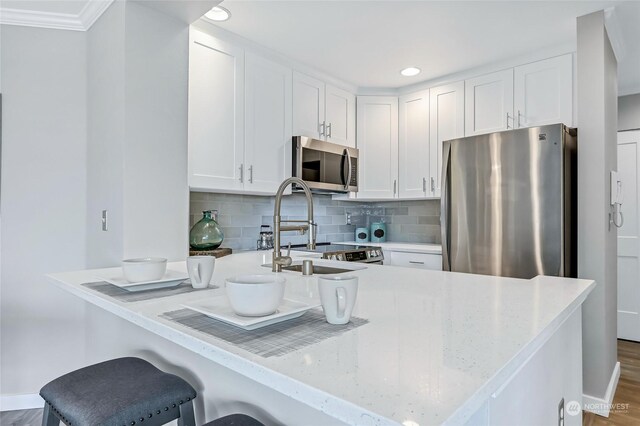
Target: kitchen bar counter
(437,347)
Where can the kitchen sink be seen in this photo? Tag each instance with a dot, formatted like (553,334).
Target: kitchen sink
(317,269)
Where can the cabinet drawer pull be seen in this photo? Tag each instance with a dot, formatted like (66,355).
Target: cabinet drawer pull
(241,173)
(415,262)
(322,128)
(395,182)
(508,127)
(424,185)
(251,174)
(329,130)
(519,115)
(433,185)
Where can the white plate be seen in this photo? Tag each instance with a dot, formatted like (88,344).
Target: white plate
(218,308)
(170,279)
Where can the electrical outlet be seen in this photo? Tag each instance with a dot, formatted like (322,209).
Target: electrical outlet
(348,218)
(105,223)
(561,413)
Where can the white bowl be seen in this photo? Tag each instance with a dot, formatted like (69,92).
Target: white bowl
(144,269)
(255,295)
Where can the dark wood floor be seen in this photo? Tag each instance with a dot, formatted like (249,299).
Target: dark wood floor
(628,391)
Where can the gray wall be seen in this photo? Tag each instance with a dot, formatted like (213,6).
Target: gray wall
(597,245)
(240,217)
(629,112)
(43,203)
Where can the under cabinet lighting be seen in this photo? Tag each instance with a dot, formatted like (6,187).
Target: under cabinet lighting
(410,72)
(218,14)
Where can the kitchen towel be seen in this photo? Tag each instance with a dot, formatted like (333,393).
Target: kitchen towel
(138,296)
(273,340)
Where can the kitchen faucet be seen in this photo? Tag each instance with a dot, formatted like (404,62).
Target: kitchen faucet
(278,260)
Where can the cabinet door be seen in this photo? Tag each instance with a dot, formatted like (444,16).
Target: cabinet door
(544,92)
(413,145)
(377,142)
(340,116)
(308,106)
(446,122)
(413,260)
(216,111)
(267,124)
(488,103)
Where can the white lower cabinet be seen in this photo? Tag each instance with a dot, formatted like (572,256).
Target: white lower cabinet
(546,389)
(413,260)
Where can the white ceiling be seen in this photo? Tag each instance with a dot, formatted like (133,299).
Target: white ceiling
(366,43)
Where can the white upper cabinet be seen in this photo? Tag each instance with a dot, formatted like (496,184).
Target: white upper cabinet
(324,112)
(489,103)
(377,135)
(267,124)
(216,113)
(446,122)
(308,106)
(340,116)
(413,146)
(544,92)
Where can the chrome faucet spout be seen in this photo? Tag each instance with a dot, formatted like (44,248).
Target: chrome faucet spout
(279,260)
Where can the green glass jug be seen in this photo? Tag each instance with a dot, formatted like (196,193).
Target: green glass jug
(206,233)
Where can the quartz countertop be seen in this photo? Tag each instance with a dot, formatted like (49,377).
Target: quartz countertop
(436,346)
(405,247)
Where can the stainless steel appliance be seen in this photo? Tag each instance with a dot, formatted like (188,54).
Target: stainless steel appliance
(324,166)
(347,253)
(508,203)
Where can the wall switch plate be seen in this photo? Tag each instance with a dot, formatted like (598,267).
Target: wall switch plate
(105,223)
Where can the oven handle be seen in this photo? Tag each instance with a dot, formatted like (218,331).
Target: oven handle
(348,182)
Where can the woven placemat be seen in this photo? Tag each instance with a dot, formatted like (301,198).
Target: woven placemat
(272,340)
(138,296)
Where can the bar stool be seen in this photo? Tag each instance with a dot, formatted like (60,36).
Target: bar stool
(123,391)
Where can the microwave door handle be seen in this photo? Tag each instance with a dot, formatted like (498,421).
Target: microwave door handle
(348,181)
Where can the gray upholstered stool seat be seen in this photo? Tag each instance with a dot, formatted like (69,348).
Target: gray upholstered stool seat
(123,391)
(235,420)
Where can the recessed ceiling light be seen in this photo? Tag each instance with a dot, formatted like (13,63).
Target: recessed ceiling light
(218,14)
(410,72)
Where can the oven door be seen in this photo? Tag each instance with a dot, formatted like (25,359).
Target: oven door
(325,166)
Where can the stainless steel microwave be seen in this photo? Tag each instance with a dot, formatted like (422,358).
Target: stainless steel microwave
(325,166)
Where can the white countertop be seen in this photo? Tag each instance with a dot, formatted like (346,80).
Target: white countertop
(406,247)
(436,347)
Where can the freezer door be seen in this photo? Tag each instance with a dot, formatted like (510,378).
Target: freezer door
(502,203)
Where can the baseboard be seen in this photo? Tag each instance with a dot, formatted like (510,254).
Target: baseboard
(20,402)
(602,406)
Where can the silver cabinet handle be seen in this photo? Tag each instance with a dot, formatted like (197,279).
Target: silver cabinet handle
(416,262)
(329,130)
(242,173)
(395,184)
(508,127)
(519,115)
(251,173)
(322,128)
(433,185)
(424,184)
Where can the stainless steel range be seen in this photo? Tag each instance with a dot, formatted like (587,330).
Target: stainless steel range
(347,253)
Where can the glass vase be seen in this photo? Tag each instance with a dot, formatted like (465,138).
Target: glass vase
(206,233)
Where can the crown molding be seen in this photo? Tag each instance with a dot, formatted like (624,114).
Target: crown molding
(61,21)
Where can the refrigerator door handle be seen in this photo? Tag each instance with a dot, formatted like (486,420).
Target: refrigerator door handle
(444,207)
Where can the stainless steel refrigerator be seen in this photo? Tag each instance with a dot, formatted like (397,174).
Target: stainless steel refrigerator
(508,203)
